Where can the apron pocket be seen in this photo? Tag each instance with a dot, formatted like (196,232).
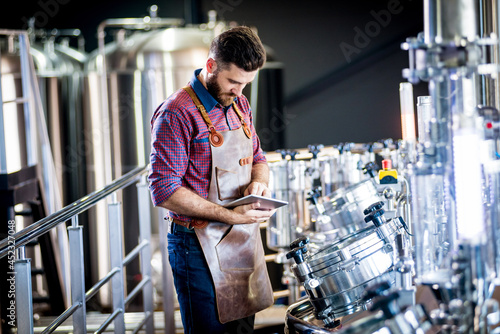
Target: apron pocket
(228,185)
(236,251)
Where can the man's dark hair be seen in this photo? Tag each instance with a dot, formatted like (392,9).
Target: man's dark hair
(239,46)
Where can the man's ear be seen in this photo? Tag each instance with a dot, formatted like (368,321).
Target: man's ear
(211,65)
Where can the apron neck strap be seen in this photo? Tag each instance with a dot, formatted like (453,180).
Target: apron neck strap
(215,138)
(199,105)
(246,129)
(214,135)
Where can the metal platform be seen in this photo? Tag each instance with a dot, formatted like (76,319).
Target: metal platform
(270,317)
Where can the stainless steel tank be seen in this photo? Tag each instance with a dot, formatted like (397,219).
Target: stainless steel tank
(288,181)
(335,276)
(60,79)
(59,70)
(345,206)
(300,319)
(14,131)
(142,69)
(31,78)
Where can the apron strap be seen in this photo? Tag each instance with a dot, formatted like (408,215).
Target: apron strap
(215,137)
(246,129)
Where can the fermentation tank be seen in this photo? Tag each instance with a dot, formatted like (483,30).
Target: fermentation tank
(60,79)
(41,93)
(142,69)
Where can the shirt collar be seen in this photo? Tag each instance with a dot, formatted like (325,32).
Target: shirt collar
(206,99)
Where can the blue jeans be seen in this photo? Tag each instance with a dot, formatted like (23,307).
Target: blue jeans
(195,288)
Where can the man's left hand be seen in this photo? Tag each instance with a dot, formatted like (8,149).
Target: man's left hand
(257,188)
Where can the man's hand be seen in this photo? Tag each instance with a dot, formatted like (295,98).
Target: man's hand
(259,181)
(186,202)
(252,211)
(252,214)
(257,188)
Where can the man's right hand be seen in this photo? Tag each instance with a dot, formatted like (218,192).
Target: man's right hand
(186,202)
(252,214)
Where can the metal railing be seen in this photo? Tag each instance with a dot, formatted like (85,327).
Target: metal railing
(21,267)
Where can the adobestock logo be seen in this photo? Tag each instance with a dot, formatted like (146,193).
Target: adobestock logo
(48,9)
(223,6)
(363,37)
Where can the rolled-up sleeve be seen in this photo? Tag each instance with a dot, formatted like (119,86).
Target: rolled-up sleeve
(170,135)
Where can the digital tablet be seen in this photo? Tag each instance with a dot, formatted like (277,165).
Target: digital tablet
(265,202)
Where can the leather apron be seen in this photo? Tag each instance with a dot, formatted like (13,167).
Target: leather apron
(234,253)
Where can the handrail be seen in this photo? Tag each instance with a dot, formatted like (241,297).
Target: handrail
(95,289)
(62,318)
(44,225)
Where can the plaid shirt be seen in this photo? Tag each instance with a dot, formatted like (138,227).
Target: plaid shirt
(180,151)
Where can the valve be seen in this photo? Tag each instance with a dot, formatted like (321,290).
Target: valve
(370,147)
(283,153)
(347,147)
(299,242)
(375,214)
(298,249)
(314,194)
(377,217)
(297,254)
(314,150)
(374,207)
(340,147)
(386,142)
(375,290)
(383,299)
(370,169)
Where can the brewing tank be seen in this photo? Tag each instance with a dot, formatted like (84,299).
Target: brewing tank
(49,113)
(142,69)
(60,80)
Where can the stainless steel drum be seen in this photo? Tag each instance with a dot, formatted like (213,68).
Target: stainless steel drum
(288,182)
(342,165)
(414,319)
(345,206)
(336,276)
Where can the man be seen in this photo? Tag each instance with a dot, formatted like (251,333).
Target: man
(205,153)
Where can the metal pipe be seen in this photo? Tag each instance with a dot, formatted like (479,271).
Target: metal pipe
(116,260)
(136,290)
(28,112)
(75,234)
(44,225)
(93,290)
(167,280)
(108,321)
(133,254)
(148,316)
(144,208)
(62,318)
(23,298)
(20,100)
(3,153)
(281,294)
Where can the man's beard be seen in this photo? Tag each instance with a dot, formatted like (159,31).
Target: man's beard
(213,87)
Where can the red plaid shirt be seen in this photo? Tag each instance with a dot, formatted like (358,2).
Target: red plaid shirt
(180,151)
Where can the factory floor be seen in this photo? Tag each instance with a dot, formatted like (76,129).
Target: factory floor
(268,321)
